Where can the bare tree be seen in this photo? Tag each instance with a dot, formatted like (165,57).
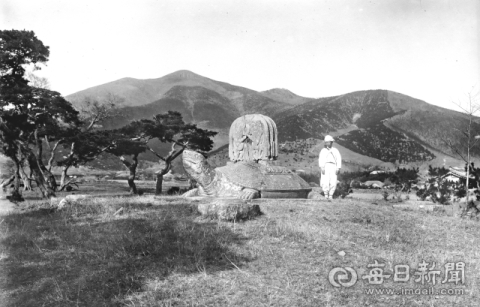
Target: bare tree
(467,133)
(37,81)
(93,113)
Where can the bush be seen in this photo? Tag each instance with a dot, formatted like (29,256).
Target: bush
(402,176)
(385,195)
(355,184)
(342,190)
(310,177)
(438,191)
(437,171)
(387,182)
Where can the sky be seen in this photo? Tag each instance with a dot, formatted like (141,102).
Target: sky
(426,49)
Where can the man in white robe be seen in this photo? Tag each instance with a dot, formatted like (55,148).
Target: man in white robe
(330,163)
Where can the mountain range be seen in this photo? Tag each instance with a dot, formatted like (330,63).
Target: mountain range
(372,127)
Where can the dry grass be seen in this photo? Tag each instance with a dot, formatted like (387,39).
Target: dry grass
(97,188)
(160,253)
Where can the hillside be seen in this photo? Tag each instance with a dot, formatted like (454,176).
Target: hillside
(377,127)
(136,92)
(381,124)
(427,123)
(139,92)
(210,104)
(284,95)
(303,155)
(196,104)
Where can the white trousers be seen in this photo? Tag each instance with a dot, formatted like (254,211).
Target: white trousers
(328,182)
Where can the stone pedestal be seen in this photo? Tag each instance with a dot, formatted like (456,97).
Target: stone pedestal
(228,209)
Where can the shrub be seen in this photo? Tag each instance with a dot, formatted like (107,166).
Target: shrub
(342,190)
(310,177)
(385,195)
(439,191)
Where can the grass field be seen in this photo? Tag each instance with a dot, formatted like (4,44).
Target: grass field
(107,187)
(159,252)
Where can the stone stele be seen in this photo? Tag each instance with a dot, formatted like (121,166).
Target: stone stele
(252,171)
(253,137)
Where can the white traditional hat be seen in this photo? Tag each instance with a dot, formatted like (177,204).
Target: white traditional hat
(328,138)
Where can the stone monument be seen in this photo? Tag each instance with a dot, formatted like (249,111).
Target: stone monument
(253,137)
(251,172)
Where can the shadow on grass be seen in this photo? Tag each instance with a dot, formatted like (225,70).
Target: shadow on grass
(91,257)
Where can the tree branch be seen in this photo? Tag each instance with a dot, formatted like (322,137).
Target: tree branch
(92,122)
(52,154)
(171,158)
(155,153)
(125,162)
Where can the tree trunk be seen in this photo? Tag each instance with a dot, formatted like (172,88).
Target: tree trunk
(468,157)
(158,186)
(131,183)
(50,179)
(47,175)
(46,189)
(64,177)
(27,186)
(68,163)
(52,153)
(132,168)
(468,175)
(168,165)
(16,194)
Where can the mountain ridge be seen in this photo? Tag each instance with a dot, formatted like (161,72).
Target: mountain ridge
(285,95)
(381,124)
(138,92)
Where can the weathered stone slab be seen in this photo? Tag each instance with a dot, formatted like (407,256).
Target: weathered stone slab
(229,209)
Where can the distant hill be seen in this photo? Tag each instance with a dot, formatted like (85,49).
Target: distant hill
(303,155)
(210,104)
(284,95)
(197,104)
(372,127)
(377,123)
(138,92)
